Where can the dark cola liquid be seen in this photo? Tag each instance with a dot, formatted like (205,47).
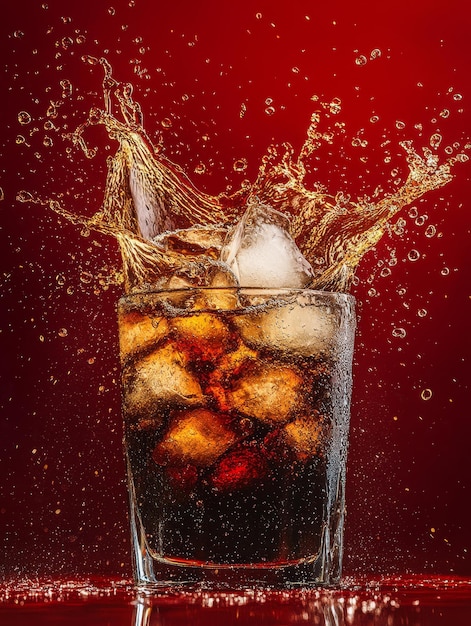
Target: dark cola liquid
(230,436)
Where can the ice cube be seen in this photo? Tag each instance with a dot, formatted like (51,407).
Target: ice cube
(138,331)
(158,378)
(198,437)
(193,242)
(305,435)
(267,392)
(203,335)
(261,252)
(239,468)
(290,327)
(152,213)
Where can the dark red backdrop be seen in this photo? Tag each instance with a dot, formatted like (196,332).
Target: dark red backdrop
(200,64)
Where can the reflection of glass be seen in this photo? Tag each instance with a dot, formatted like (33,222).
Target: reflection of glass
(236,407)
(214,609)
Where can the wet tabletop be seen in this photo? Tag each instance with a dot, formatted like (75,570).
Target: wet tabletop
(414,601)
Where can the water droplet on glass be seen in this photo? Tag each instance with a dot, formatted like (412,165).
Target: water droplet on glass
(422,312)
(112,11)
(63,332)
(270,110)
(385,272)
(20,139)
(445,271)
(240,165)
(24,117)
(374,119)
(47,141)
(2,194)
(420,221)
(166,122)
(426,394)
(295,70)
(200,168)
(361,60)
(457,97)
(430,231)
(60,279)
(413,212)
(18,34)
(414,255)
(400,125)
(445,113)
(80,39)
(399,332)
(375,54)
(258,16)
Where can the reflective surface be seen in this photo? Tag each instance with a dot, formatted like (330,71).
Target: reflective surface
(414,601)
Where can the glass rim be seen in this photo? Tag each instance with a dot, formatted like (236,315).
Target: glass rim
(240,288)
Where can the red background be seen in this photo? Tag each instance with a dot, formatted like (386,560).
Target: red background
(63,497)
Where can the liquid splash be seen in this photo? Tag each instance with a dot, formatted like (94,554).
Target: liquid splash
(147,195)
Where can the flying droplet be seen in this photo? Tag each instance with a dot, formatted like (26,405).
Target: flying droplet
(426,394)
(435,140)
(399,332)
(240,165)
(24,117)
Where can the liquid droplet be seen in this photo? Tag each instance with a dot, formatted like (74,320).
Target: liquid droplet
(414,255)
(375,54)
(24,117)
(445,271)
(400,125)
(63,332)
(270,110)
(435,140)
(361,60)
(24,196)
(240,165)
(399,332)
(430,231)
(200,168)
(445,113)
(426,394)
(457,97)
(422,312)
(166,122)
